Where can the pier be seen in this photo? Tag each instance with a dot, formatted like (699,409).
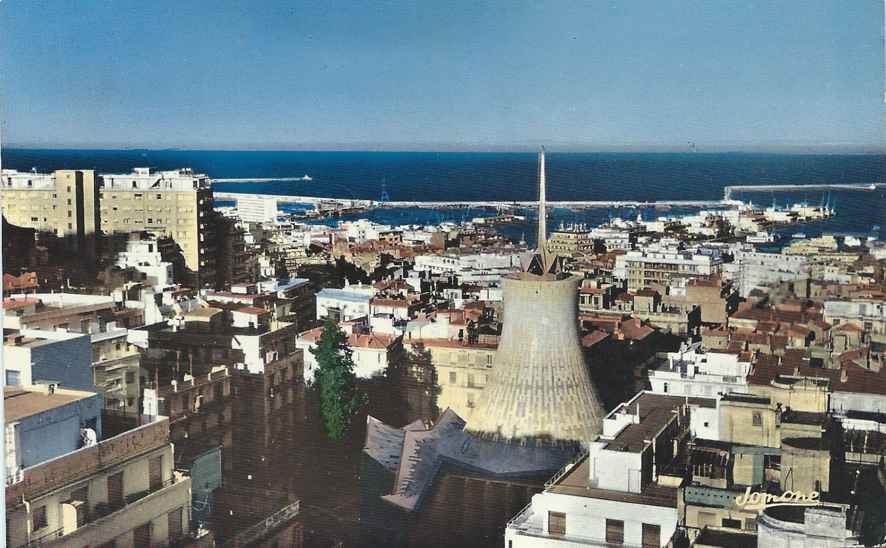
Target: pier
(454,204)
(355,203)
(728,190)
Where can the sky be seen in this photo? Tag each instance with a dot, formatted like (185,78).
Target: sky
(426,75)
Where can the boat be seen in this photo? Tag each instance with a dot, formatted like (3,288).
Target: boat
(762,237)
(798,236)
(871,186)
(306,178)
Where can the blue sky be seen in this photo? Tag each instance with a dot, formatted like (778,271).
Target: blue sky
(426,75)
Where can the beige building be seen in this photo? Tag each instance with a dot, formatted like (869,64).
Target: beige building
(177,204)
(79,203)
(120,491)
(572,241)
(63,202)
(462,371)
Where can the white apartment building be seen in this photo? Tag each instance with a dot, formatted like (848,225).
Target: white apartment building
(344,304)
(619,493)
(694,372)
(253,208)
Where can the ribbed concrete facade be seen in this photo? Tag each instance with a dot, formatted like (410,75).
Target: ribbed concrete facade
(540,389)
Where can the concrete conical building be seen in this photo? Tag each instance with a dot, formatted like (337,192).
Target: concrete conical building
(540,390)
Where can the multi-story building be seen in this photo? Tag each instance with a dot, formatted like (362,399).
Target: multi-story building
(85,490)
(32,356)
(657,267)
(64,203)
(624,491)
(177,204)
(572,241)
(693,372)
(868,315)
(461,370)
(344,304)
(116,370)
(143,254)
(79,204)
(257,208)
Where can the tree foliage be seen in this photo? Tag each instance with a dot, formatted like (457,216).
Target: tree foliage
(339,398)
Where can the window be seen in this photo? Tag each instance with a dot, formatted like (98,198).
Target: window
(731,523)
(175,524)
(651,536)
(556,523)
(757,419)
(750,524)
(38,518)
(142,536)
(130,377)
(615,531)
(452,377)
(13,378)
(115,490)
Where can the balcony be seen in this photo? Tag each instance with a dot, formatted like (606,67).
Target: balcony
(82,463)
(110,522)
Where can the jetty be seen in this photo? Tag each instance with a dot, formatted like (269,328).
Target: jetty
(729,190)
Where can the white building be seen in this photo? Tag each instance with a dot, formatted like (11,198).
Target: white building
(693,372)
(344,304)
(254,208)
(144,256)
(617,494)
(756,270)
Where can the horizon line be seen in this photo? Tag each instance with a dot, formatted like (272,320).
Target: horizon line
(827,148)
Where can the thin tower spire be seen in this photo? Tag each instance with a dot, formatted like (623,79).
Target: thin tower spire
(542,213)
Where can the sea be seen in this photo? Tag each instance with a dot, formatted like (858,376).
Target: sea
(499,176)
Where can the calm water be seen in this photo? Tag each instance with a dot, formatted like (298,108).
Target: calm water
(509,176)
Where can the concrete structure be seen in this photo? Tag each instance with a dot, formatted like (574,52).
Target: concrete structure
(540,387)
(540,390)
(799,527)
(253,208)
(868,315)
(757,270)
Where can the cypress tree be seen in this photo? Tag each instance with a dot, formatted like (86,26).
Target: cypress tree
(339,398)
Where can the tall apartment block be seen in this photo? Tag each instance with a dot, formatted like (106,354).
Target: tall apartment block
(63,202)
(80,204)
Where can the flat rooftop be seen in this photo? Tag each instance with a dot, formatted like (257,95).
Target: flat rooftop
(656,410)
(19,403)
(575,483)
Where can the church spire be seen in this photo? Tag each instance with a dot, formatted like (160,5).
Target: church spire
(542,212)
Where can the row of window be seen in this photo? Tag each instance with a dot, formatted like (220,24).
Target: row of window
(615,530)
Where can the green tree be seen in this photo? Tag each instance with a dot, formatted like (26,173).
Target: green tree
(339,398)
